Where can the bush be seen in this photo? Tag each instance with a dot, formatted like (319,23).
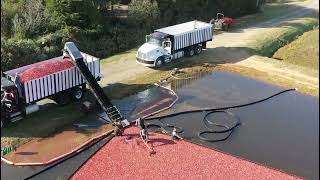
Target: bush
(144,13)
(18,52)
(52,44)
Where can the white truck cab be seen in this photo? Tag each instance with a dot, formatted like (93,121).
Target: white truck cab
(155,51)
(174,42)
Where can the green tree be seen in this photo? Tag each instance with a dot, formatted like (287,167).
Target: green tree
(145,13)
(77,13)
(9,9)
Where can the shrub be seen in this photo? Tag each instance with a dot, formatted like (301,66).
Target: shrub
(18,52)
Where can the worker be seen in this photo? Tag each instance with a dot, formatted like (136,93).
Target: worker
(143,129)
(144,135)
(174,134)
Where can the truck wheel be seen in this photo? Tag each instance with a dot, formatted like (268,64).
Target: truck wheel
(191,51)
(77,94)
(198,50)
(159,62)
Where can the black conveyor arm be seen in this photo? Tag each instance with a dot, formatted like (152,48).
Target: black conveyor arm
(77,58)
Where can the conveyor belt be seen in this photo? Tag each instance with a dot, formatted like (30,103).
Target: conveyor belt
(112,112)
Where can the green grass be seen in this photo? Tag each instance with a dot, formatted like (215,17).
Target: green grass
(275,38)
(303,52)
(268,11)
(130,54)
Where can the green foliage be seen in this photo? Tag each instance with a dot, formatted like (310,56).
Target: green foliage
(267,46)
(8,10)
(34,30)
(78,13)
(177,11)
(18,52)
(51,44)
(30,21)
(144,12)
(304,51)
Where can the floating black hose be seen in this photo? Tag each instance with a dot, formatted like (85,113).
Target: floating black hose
(227,129)
(210,111)
(179,129)
(217,109)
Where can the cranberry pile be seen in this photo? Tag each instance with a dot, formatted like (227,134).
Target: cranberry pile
(46,69)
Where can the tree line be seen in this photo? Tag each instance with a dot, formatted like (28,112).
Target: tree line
(35,30)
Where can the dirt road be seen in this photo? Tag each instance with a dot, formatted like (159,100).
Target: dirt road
(231,47)
(237,43)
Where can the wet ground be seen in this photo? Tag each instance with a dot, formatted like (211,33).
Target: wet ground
(282,133)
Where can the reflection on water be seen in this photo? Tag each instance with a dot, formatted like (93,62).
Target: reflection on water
(288,121)
(176,84)
(145,102)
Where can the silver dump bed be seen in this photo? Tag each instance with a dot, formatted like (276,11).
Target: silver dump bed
(50,84)
(189,33)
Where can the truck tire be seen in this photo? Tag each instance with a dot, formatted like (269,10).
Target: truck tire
(77,94)
(198,49)
(191,52)
(159,62)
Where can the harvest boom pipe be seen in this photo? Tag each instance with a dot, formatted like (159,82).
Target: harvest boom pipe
(112,112)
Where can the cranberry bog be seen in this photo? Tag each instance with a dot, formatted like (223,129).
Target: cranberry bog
(271,142)
(121,159)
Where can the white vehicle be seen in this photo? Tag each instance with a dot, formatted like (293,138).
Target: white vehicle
(174,42)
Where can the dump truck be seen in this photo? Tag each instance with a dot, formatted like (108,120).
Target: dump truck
(173,42)
(57,79)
